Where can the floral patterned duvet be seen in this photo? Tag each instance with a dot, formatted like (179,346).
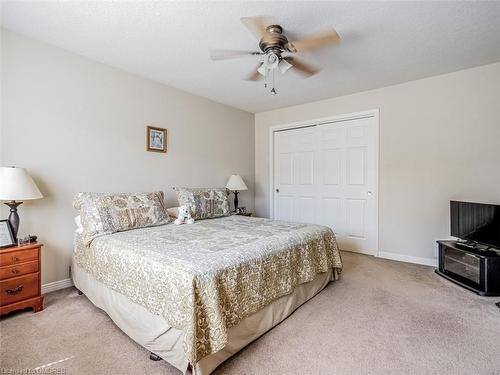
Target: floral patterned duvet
(207,277)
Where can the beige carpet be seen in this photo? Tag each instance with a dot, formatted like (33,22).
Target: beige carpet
(382,317)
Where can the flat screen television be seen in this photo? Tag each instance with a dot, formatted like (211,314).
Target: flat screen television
(477,222)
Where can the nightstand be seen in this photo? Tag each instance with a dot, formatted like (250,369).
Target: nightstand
(20,282)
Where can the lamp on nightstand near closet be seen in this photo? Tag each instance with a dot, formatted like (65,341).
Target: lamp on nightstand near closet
(236,184)
(16,186)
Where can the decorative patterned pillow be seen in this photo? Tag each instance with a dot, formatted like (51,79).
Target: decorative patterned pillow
(110,213)
(204,203)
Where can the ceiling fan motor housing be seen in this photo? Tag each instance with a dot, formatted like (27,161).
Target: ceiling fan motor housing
(273,40)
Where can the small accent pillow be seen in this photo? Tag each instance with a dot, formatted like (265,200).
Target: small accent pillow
(204,203)
(110,213)
(173,212)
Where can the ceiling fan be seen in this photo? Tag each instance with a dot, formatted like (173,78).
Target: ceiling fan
(276,51)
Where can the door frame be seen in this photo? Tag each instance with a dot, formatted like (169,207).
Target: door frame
(375,113)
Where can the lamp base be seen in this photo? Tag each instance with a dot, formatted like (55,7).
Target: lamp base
(14,217)
(235,192)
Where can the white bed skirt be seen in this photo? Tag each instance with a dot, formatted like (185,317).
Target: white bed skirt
(153,333)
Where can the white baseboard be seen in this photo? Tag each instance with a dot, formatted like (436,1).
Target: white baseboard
(56,285)
(408,258)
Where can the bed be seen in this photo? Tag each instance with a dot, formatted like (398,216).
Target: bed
(196,294)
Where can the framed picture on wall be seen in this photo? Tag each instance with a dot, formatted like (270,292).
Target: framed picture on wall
(156,139)
(6,236)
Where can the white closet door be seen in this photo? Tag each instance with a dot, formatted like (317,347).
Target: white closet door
(347,182)
(327,174)
(294,166)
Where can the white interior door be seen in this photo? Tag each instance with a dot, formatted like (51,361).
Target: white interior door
(295,161)
(327,174)
(347,182)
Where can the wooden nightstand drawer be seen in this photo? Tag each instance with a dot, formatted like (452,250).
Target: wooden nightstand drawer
(18,256)
(18,270)
(20,278)
(19,288)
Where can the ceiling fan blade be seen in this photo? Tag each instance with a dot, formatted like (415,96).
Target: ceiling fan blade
(224,54)
(302,67)
(255,75)
(319,40)
(257,25)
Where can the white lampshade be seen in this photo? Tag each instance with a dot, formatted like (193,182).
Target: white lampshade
(235,182)
(17,185)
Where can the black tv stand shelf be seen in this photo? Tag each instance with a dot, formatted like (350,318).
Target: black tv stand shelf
(476,268)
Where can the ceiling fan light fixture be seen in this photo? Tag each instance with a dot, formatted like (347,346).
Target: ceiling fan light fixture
(284,66)
(262,69)
(271,60)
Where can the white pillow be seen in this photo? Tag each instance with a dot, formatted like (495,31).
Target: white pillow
(173,211)
(79,226)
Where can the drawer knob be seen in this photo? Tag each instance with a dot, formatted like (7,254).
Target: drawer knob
(15,271)
(15,290)
(15,259)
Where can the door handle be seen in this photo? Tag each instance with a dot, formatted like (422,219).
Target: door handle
(277,190)
(369,193)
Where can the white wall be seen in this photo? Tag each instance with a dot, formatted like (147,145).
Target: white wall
(439,140)
(78,125)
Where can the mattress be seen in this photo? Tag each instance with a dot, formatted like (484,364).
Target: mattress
(203,279)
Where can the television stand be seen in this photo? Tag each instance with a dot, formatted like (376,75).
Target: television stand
(475,268)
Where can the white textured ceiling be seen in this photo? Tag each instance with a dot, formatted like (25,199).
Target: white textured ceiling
(383,42)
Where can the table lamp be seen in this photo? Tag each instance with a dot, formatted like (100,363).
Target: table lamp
(236,184)
(16,186)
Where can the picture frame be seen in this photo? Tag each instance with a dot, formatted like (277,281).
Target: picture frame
(156,139)
(6,236)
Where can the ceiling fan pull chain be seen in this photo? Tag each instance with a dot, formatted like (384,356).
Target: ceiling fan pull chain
(273,90)
(274,70)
